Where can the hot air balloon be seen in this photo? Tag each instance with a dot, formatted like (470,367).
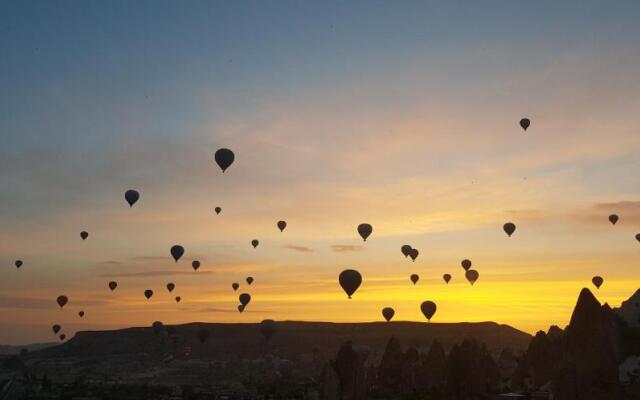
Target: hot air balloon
(414,254)
(63,337)
(217,210)
(405,250)
(131,196)
(597,281)
(350,281)
(113,285)
(177,251)
(148,293)
(268,328)
(157,327)
(524,123)
(244,298)
(62,300)
(472,276)
(388,313)
(195,264)
(240,308)
(56,328)
(84,235)
(638,237)
(203,334)
(249,280)
(365,230)
(428,308)
(446,277)
(178,298)
(509,228)
(255,243)
(81,313)
(170,286)
(466,264)
(414,278)
(282,225)
(224,158)
(613,219)
(18,263)
(235,286)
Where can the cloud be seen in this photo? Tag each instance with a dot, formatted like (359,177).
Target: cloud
(109,262)
(301,249)
(344,248)
(145,274)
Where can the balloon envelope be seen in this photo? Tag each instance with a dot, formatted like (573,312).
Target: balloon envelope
(613,219)
(282,225)
(157,327)
(195,264)
(235,286)
(249,280)
(413,254)
(63,337)
(472,276)
(268,328)
(255,243)
(224,158)
(524,123)
(597,281)
(638,237)
(509,228)
(240,308)
(414,278)
(176,252)
(178,298)
(350,281)
(446,277)
(466,264)
(148,293)
(244,298)
(170,286)
(113,285)
(405,250)
(131,196)
(62,300)
(365,231)
(19,262)
(388,313)
(217,210)
(81,314)
(84,235)
(428,308)
(56,328)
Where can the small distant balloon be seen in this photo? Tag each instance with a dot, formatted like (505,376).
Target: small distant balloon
(18,263)
(113,285)
(255,243)
(217,210)
(472,276)
(282,225)
(350,281)
(157,327)
(56,328)
(235,286)
(268,328)
(414,278)
(638,237)
(244,298)
(177,251)
(365,231)
(81,314)
(84,235)
(597,281)
(446,277)
(509,228)
(249,280)
(406,249)
(414,254)
(224,158)
(466,264)
(195,264)
(524,123)
(428,308)
(388,313)
(170,286)
(178,299)
(63,337)
(240,308)
(613,219)
(131,196)
(148,293)
(62,300)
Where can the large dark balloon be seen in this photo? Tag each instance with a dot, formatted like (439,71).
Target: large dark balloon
(56,328)
(638,237)
(350,281)
(466,264)
(131,196)
(388,313)
(428,308)
(62,300)
(414,278)
(18,263)
(203,334)
(446,277)
(224,158)
(613,219)
(268,328)
(244,298)
(195,264)
(509,228)
(406,249)
(178,298)
(365,230)
(414,254)
(282,225)
(148,293)
(113,285)
(524,123)
(81,314)
(235,286)
(472,276)
(63,337)
(177,251)
(255,243)
(249,280)
(84,235)
(217,210)
(597,281)
(240,308)
(170,286)
(157,327)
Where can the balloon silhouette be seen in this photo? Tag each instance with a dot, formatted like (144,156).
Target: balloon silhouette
(203,334)
(131,196)
(405,250)
(472,276)
(148,293)
(466,264)
(255,243)
(388,313)
(613,219)
(597,281)
(113,285)
(195,264)
(62,300)
(365,230)
(235,286)
(282,225)
(178,298)
(56,328)
(414,254)
(170,286)
(638,237)
(177,251)
(18,263)
(446,278)
(524,123)
(414,278)
(350,281)
(240,308)
(63,337)
(217,210)
(268,328)
(249,280)
(428,308)
(509,228)
(157,327)
(81,314)
(244,298)
(224,158)
(84,235)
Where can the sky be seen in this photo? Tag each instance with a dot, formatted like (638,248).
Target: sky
(401,114)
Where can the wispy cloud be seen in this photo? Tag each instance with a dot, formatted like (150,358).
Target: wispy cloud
(301,249)
(345,248)
(144,274)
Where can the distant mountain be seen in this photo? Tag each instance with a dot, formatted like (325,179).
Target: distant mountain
(8,350)
(630,310)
